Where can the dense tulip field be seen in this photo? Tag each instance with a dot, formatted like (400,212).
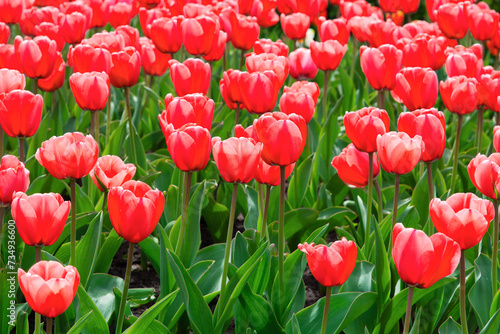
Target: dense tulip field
(249,166)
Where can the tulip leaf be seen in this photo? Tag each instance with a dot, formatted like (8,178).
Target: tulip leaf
(216,216)
(420,199)
(100,289)
(115,144)
(298,184)
(493,326)
(80,324)
(167,280)
(298,222)
(96,322)
(197,309)
(22,325)
(252,216)
(382,269)
(88,249)
(415,329)
(107,252)
(152,250)
(480,297)
(140,156)
(344,309)
(450,326)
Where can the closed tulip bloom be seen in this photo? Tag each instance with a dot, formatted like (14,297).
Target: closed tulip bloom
(489,90)
(398,152)
(266,85)
(34,16)
(56,79)
(14,177)
(463,63)
(135,209)
(191,76)
(245,31)
(218,47)
(249,132)
(327,55)
(283,137)
(380,65)
(126,67)
(49,287)
(428,124)
(420,260)
(73,27)
(111,41)
(37,56)
(299,103)
(302,66)
(110,171)
(331,266)
(11,80)
(153,61)
(459,94)
(452,20)
(198,34)
(148,16)
(462,217)
(189,147)
(70,155)
(120,13)
(352,166)
(52,31)
(39,218)
(417,87)
(236,158)
(295,25)
(20,113)
(311,88)
(100,12)
(484,173)
(269,61)
(91,89)
(265,45)
(86,58)
(425,51)
(363,126)
(336,29)
(8,57)
(496,138)
(483,22)
(270,175)
(230,87)
(11,11)
(130,35)
(166,35)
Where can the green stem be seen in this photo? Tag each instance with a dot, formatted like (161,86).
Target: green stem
(463,313)
(229,239)
(38,253)
(236,116)
(455,155)
(325,94)
(92,124)
(408,309)
(72,184)
(495,248)
(381,99)
(369,201)
(266,210)
(108,118)
(281,242)
(35,86)
(479,132)
(242,59)
(495,64)
(38,320)
(121,313)
(325,310)
(21,148)
(49,325)
(130,125)
(430,188)
(380,212)
(396,197)
(187,190)
(97,127)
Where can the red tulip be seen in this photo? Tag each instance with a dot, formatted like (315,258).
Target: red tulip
(91,89)
(13,177)
(70,155)
(452,20)
(428,124)
(189,147)
(263,84)
(299,103)
(100,12)
(422,261)
(36,56)
(462,217)
(380,65)
(49,287)
(327,55)
(153,61)
(283,137)
(336,29)
(310,88)
(295,25)
(8,57)
(249,132)
(483,22)
(21,113)
(425,51)
(463,63)
(56,79)
(10,80)
(352,166)
(398,152)
(126,67)
(73,27)
(148,16)
(218,47)
(110,171)
(165,34)
(11,11)
(121,13)
(484,173)
(459,94)
(135,209)
(363,126)
(489,90)
(111,41)
(236,158)
(40,218)
(416,87)
(86,58)
(130,36)
(302,65)
(191,76)
(496,138)
(270,175)
(265,45)
(269,61)
(52,31)
(77,7)
(331,266)
(35,16)
(245,31)
(198,34)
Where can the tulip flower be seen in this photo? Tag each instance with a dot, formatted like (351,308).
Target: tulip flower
(73,27)
(302,65)
(330,266)
(425,51)
(488,91)
(11,11)
(363,127)
(198,34)
(191,76)
(91,89)
(189,147)
(265,84)
(299,103)
(120,13)
(459,94)
(37,56)
(244,32)
(13,177)
(100,13)
(265,45)
(56,79)
(336,29)
(154,62)
(86,58)
(111,41)
(126,67)
(482,22)
(269,61)
(52,31)
(295,25)
(496,138)
(452,20)
(10,80)
(218,47)
(148,16)
(310,88)
(110,171)
(463,63)
(421,261)
(416,87)
(165,34)
(352,166)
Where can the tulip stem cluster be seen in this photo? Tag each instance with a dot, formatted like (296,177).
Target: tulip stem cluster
(281,240)
(72,185)
(455,155)
(325,310)
(408,310)
(21,148)
(463,313)
(396,197)
(479,131)
(369,201)
(495,248)
(130,125)
(430,189)
(185,206)
(123,301)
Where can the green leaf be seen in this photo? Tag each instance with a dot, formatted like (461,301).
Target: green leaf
(382,269)
(450,326)
(96,322)
(80,324)
(493,326)
(22,325)
(197,309)
(298,221)
(299,183)
(152,250)
(115,144)
(107,252)
(420,199)
(479,295)
(140,159)
(100,290)
(259,311)
(216,216)
(415,329)
(88,248)
(360,279)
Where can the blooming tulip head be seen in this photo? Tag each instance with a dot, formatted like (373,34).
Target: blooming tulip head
(165,33)
(10,80)
(269,61)
(56,79)
(331,266)
(459,94)
(189,147)
(416,87)
(463,63)
(489,90)
(135,209)
(484,173)
(363,126)
(37,56)
(20,113)
(311,88)
(126,67)
(110,171)
(49,287)
(425,50)
(265,84)
(86,58)
(463,217)
(482,21)
(264,45)
(452,20)
(327,55)
(352,166)
(380,65)
(302,65)
(70,155)
(496,138)
(270,175)
(153,61)
(295,25)
(91,89)
(420,260)
(398,152)
(230,87)
(245,31)
(336,29)
(299,103)
(13,177)
(191,76)
(40,218)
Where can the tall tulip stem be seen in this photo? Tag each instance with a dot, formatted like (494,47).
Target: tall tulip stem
(35,86)
(229,238)
(236,116)
(479,132)
(281,241)
(430,188)
(49,325)
(92,124)
(21,148)
(325,95)
(242,59)
(396,197)
(369,201)
(121,313)
(72,185)
(185,206)
(495,248)
(463,313)
(325,310)
(38,253)
(38,321)
(455,155)
(266,210)
(408,310)
(130,125)
(381,99)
